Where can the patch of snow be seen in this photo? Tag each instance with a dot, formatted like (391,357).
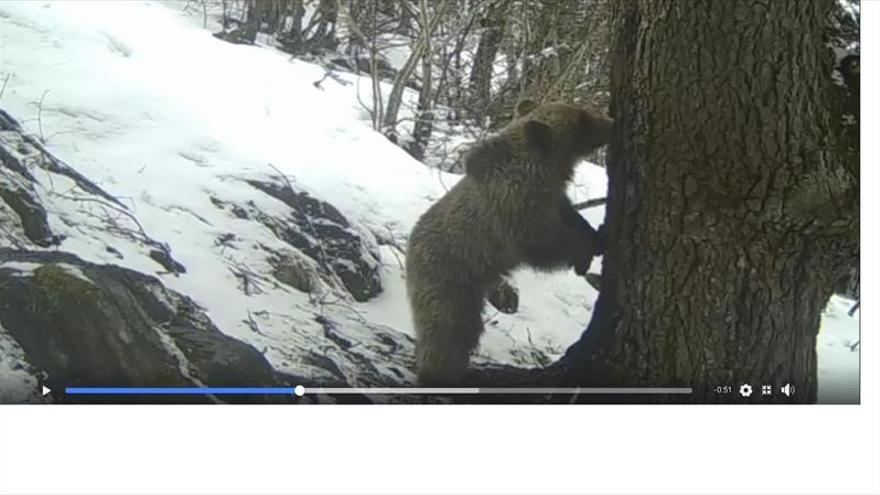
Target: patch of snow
(22,268)
(75,271)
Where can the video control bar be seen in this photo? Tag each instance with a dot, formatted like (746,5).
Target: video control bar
(301,391)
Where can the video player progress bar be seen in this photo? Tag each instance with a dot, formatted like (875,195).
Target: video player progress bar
(499,390)
(300,390)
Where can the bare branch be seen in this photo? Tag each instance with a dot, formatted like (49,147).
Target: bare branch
(5,82)
(590,203)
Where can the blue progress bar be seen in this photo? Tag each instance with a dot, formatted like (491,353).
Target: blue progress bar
(177,390)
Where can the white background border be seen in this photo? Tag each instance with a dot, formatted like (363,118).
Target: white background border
(509,449)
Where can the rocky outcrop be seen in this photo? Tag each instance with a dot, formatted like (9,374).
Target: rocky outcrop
(68,320)
(102,325)
(319,231)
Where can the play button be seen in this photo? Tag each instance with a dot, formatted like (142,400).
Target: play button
(46,390)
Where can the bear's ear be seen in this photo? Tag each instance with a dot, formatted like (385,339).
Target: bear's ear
(523,107)
(538,136)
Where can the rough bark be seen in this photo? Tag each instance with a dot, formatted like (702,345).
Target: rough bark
(729,211)
(424,123)
(480,78)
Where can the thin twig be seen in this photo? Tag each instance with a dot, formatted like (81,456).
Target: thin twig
(343,304)
(329,73)
(395,249)
(590,203)
(40,115)
(853,309)
(105,204)
(252,324)
(5,82)
(357,92)
(121,210)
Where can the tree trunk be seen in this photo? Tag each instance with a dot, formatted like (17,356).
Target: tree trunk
(480,79)
(424,123)
(292,37)
(729,211)
(404,24)
(323,39)
(403,75)
(251,26)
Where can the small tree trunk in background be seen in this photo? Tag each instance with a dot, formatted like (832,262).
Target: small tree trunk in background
(424,123)
(324,36)
(251,26)
(378,104)
(403,76)
(549,60)
(730,214)
(480,79)
(404,25)
(540,50)
(291,36)
(448,87)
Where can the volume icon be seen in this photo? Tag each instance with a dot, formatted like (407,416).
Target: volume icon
(787,389)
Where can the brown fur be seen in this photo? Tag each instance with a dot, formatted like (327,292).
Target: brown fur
(510,209)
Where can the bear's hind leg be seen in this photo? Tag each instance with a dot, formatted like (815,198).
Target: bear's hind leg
(446,337)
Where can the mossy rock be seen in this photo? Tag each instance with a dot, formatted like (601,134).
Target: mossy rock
(102,325)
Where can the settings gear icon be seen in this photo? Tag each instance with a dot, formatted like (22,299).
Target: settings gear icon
(745,390)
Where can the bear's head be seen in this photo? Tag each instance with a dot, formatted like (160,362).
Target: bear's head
(565,131)
(553,137)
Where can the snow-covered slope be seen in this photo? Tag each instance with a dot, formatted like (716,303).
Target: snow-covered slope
(173,122)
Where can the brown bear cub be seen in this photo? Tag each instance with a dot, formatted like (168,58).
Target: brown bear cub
(510,209)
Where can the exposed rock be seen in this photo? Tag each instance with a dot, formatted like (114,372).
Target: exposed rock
(236,36)
(504,297)
(31,214)
(163,257)
(19,380)
(16,185)
(322,233)
(292,270)
(102,325)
